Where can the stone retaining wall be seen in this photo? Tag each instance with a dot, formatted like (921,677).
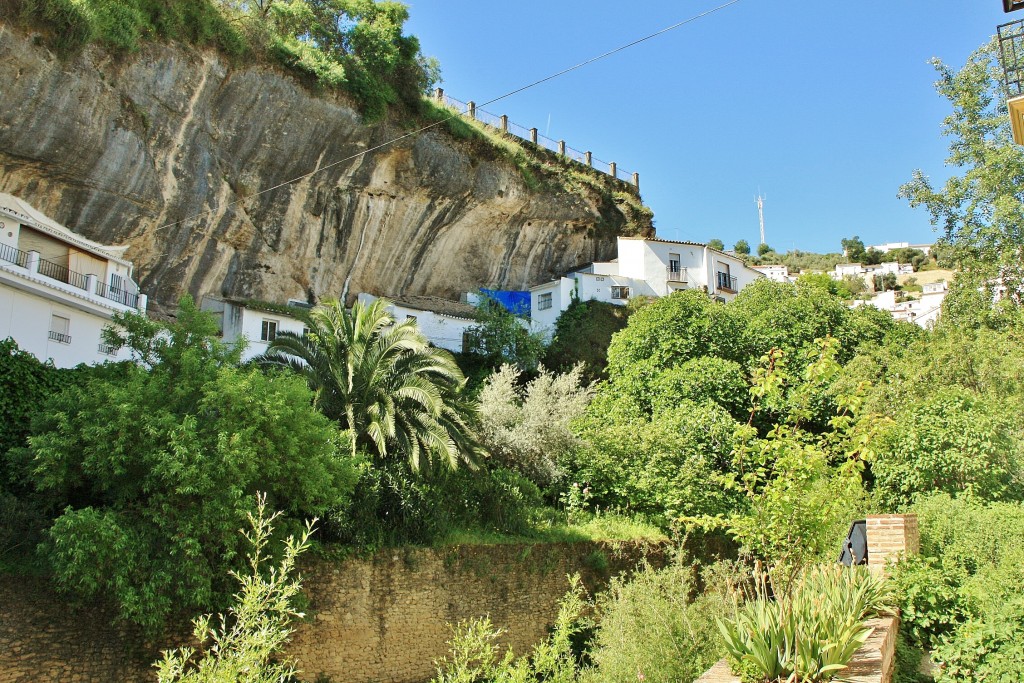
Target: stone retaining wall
(379,619)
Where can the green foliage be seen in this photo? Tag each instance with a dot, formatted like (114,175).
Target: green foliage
(663,466)
(475,652)
(582,335)
(979,211)
(527,428)
(853,249)
(123,25)
(763,249)
(954,442)
(657,626)
(809,634)
(929,598)
(383,381)
(243,646)
(963,597)
(742,248)
(716,244)
(393,505)
(502,338)
(156,469)
(703,380)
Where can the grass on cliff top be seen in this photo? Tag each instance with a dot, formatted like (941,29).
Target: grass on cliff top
(604,527)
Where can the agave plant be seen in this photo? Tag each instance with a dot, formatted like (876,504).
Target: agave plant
(812,633)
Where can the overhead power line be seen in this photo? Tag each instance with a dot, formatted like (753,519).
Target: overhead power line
(417,131)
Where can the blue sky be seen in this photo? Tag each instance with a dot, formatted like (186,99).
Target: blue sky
(825,106)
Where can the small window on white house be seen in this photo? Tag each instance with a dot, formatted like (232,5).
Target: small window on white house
(60,329)
(620,292)
(268,332)
(544,301)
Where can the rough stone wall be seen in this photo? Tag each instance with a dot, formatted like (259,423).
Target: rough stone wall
(379,619)
(129,149)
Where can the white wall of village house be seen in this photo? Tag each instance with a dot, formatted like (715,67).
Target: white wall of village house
(27,317)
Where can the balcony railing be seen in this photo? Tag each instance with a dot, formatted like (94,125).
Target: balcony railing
(676,274)
(1011,54)
(60,337)
(725,282)
(55,271)
(121,296)
(13,255)
(60,273)
(107,349)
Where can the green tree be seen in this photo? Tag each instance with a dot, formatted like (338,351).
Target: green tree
(155,470)
(717,244)
(763,249)
(980,211)
(243,646)
(582,334)
(501,337)
(953,442)
(853,249)
(742,248)
(383,381)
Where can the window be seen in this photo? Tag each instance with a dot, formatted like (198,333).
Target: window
(544,301)
(410,317)
(60,329)
(268,332)
(620,292)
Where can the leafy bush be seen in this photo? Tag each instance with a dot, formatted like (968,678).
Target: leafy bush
(527,428)
(663,467)
(582,335)
(156,470)
(809,634)
(986,648)
(954,442)
(244,644)
(931,604)
(657,626)
(475,651)
(701,380)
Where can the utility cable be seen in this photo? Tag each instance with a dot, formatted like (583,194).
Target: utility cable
(417,131)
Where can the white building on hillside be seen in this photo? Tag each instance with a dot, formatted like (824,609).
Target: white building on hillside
(443,321)
(923,311)
(778,273)
(890,246)
(644,267)
(58,290)
(255,322)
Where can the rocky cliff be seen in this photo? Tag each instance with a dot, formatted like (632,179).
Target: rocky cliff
(166,150)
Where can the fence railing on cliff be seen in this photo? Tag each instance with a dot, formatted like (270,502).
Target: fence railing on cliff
(531,135)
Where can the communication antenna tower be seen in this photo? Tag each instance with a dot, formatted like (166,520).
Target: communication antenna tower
(760,213)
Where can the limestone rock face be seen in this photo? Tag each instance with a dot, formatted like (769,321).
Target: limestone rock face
(187,158)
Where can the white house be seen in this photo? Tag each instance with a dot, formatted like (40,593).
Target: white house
(923,311)
(58,290)
(778,272)
(443,321)
(257,323)
(890,246)
(644,267)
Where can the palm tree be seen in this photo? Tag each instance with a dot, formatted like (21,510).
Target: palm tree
(383,381)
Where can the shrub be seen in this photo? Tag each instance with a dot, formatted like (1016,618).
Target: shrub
(953,441)
(527,428)
(582,335)
(701,380)
(244,644)
(155,470)
(657,626)
(931,604)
